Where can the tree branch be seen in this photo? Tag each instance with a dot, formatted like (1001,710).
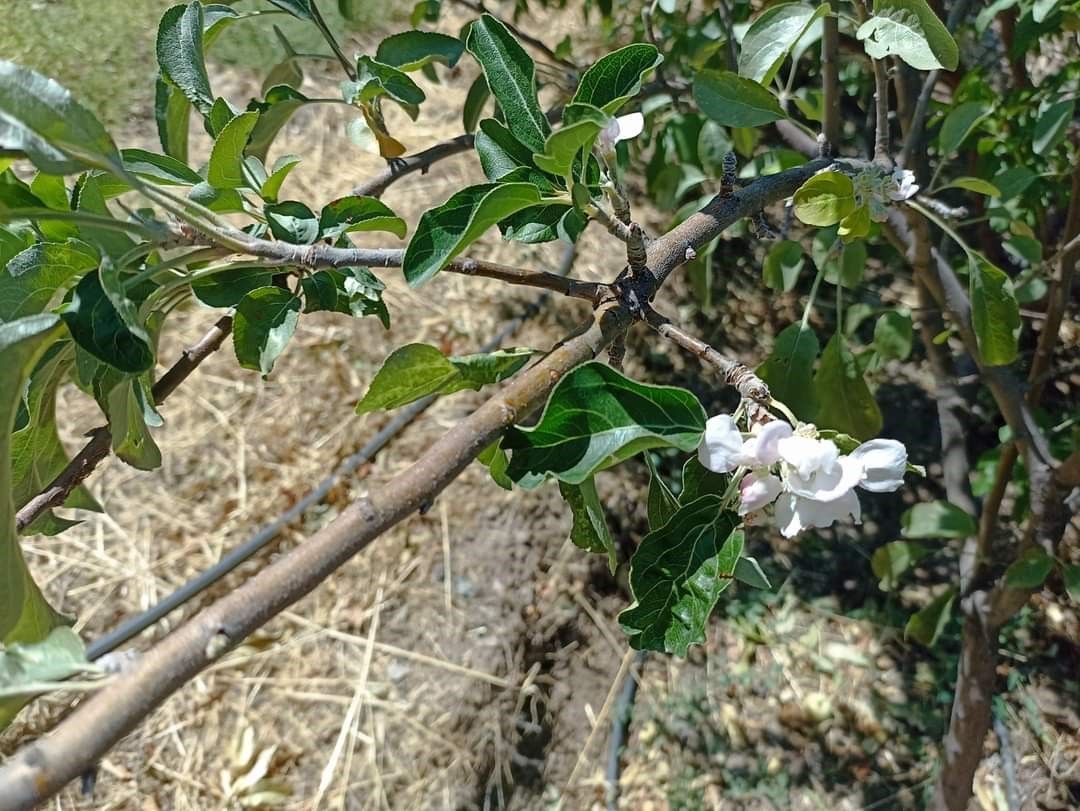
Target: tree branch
(37,771)
(84,462)
(420,162)
(735,374)
(830,75)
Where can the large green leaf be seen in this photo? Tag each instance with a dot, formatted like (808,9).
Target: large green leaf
(33,277)
(292,221)
(130,418)
(105,324)
(180,54)
(375,79)
(417,370)
(225,289)
(733,101)
(677,575)
(937,519)
(596,417)
(771,37)
(589,530)
(499,151)
(172,112)
(1051,126)
(891,560)
(825,199)
(475,101)
(355,213)
(995,312)
(278,105)
(511,76)
(162,169)
(411,50)
(40,117)
(265,321)
(661,503)
(25,616)
(616,77)
(37,456)
(1030,570)
(789,370)
(563,145)
(846,404)
(445,231)
(226,167)
(29,669)
(911,30)
(958,124)
(783,264)
(926,625)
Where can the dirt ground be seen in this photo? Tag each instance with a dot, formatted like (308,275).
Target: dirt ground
(462,661)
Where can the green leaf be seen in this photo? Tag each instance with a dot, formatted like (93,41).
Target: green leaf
(789,370)
(25,616)
(37,456)
(595,418)
(280,170)
(375,79)
(890,561)
(417,370)
(172,112)
(411,50)
(616,77)
(661,503)
(925,626)
(128,410)
(893,335)
(277,107)
(105,323)
(29,669)
(825,199)
(975,184)
(589,530)
(225,289)
(848,405)
(499,151)
(494,458)
(771,37)
(677,575)
(301,9)
(995,312)
(1014,181)
(353,213)
(783,265)
(937,519)
(563,145)
(446,231)
(1051,126)
(475,101)
(265,321)
(1070,572)
(90,196)
(733,101)
(511,77)
(41,118)
(180,54)
(698,480)
(33,277)
(226,167)
(958,125)
(293,222)
(1030,570)
(909,29)
(855,225)
(161,169)
(352,291)
(748,571)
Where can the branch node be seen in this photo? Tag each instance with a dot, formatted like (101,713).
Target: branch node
(690,254)
(727,180)
(635,249)
(825,149)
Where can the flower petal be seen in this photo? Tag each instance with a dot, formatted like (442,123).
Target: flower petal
(794,513)
(630,126)
(721,449)
(762,445)
(757,491)
(884,462)
(807,455)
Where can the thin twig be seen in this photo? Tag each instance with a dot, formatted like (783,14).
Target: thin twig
(84,462)
(324,29)
(830,75)
(420,162)
(734,374)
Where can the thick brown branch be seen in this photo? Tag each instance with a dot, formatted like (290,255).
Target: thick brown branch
(84,462)
(420,162)
(40,769)
(735,374)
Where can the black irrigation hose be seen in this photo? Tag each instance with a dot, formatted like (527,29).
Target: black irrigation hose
(620,728)
(140,622)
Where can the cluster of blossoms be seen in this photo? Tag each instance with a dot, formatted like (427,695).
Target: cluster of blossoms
(806,478)
(874,188)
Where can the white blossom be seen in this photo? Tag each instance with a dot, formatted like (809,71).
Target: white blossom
(904,184)
(806,478)
(620,129)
